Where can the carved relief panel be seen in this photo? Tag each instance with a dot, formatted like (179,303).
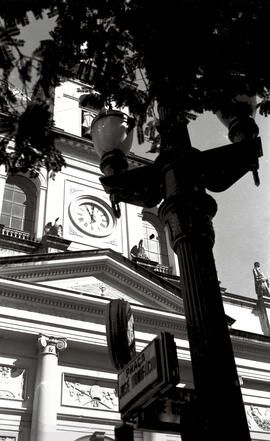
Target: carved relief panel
(12,382)
(88,393)
(258,418)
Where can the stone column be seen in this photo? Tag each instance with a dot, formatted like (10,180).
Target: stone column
(44,414)
(3,178)
(40,212)
(263,308)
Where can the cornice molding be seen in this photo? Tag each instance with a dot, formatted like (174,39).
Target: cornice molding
(249,343)
(142,285)
(91,309)
(239,300)
(249,348)
(44,300)
(145,323)
(31,298)
(64,139)
(113,269)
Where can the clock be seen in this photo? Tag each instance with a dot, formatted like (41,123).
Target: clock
(91,216)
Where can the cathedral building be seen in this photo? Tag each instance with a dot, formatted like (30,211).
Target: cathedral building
(63,257)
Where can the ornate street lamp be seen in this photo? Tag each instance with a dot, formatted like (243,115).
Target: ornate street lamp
(179,178)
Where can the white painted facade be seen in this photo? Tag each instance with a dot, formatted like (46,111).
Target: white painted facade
(57,381)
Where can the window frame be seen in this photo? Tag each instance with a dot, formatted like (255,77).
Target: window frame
(21,214)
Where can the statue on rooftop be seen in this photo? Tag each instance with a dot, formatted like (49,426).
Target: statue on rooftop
(55,229)
(261,282)
(139,251)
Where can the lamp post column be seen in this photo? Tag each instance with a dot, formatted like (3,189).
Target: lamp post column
(188,210)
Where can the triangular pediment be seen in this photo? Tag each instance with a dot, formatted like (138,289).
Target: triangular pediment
(91,286)
(95,273)
(82,282)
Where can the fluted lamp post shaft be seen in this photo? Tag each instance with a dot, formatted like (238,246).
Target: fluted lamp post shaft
(187,210)
(179,177)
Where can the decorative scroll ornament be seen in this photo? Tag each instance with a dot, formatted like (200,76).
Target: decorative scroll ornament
(51,345)
(258,418)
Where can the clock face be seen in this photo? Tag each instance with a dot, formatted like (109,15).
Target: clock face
(91,216)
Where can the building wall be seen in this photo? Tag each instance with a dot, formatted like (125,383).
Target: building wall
(79,385)
(47,393)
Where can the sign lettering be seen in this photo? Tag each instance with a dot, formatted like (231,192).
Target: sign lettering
(138,375)
(149,375)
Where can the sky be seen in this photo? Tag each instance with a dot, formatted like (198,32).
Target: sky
(242,223)
(33,33)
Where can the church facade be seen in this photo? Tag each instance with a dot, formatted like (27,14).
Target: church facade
(63,257)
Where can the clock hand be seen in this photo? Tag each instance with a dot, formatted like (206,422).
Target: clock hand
(92,217)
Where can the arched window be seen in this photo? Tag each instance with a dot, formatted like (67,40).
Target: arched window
(151,242)
(87,115)
(154,240)
(19,204)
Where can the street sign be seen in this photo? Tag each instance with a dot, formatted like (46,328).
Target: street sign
(174,412)
(141,374)
(150,374)
(120,332)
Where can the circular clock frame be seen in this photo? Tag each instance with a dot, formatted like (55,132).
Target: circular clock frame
(91,216)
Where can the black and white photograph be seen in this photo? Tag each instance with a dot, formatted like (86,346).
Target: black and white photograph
(134,220)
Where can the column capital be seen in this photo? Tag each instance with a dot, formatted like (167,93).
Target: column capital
(51,345)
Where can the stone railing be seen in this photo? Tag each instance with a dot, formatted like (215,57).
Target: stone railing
(152,265)
(13,241)
(16,234)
